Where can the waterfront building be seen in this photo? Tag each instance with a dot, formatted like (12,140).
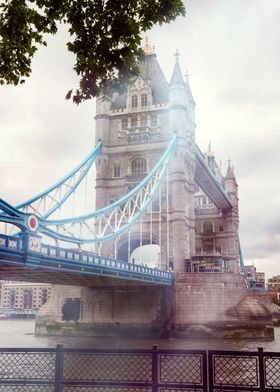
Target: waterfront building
(255,279)
(273,285)
(19,298)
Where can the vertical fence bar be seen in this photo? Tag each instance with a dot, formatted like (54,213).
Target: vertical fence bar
(58,368)
(155,368)
(210,371)
(261,369)
(204,371)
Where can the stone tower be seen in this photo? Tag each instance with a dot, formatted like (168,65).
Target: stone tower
(136,128)
(197,239)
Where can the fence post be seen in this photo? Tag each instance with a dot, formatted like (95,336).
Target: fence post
(261,369)
(155,368)
(210,369)
(58,368)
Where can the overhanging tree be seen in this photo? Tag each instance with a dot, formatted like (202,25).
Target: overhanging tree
(105,37)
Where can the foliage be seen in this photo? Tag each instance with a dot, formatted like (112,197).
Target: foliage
(105,38)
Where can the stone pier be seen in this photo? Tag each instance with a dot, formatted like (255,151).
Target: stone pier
(209,305)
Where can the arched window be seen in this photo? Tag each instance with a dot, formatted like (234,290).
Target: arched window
(138,166)
(207,227)
(144,100)
(134,101)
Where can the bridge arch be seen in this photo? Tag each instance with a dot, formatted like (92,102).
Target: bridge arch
(128,244)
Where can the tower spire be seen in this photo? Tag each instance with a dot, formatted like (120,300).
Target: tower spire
(177,77)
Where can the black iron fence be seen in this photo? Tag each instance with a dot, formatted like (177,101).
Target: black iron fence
(97,370)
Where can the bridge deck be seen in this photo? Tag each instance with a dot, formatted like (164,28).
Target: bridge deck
(206,180)
(50,264)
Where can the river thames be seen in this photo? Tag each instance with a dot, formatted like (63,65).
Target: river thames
(20,333)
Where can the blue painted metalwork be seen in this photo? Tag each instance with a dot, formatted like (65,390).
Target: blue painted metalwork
(20,251)
(240,256)
(145,190)
(156,175)
(85,165)
(164,159)
(26,248)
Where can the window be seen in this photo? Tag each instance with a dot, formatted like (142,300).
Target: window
(155,205)
(134,101)
(124,123)
(143,120)
(12,297)
(153,120)
(208,248)
(207,227)
(221,228)
(134,122)
(144,100)
(27,298)
(138,166)
(218,249)
(117,171)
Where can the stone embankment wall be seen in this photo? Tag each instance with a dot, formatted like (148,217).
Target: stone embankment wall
(218,304)
(200,305)
(128,311)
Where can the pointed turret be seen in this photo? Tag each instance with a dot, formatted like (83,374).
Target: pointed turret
(231,184)
(177,77)
(189,91)
(230,173)
(177,85)
(180,93)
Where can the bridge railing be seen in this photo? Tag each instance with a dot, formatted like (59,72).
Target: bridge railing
(11,242)
(77,257)
(86,370)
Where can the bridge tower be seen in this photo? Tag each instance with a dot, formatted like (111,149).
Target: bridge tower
(136,128)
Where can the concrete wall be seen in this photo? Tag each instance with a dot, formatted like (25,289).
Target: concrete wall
(128,311)
(218,305)
(199,305)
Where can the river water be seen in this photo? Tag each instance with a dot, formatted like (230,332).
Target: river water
(20,333)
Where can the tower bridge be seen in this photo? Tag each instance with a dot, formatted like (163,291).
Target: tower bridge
(153,186)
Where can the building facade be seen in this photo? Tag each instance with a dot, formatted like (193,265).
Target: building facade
(273,285)
(20,298)
(193,235)
(255,279)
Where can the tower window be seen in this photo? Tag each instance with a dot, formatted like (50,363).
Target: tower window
(134,101)
(134,122)
(153,120)
(155,205)
(144,100)
(138,166)
(117,171)
(207,227)
(143,120)
(124,123)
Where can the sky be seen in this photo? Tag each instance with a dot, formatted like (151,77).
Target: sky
(231,49)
